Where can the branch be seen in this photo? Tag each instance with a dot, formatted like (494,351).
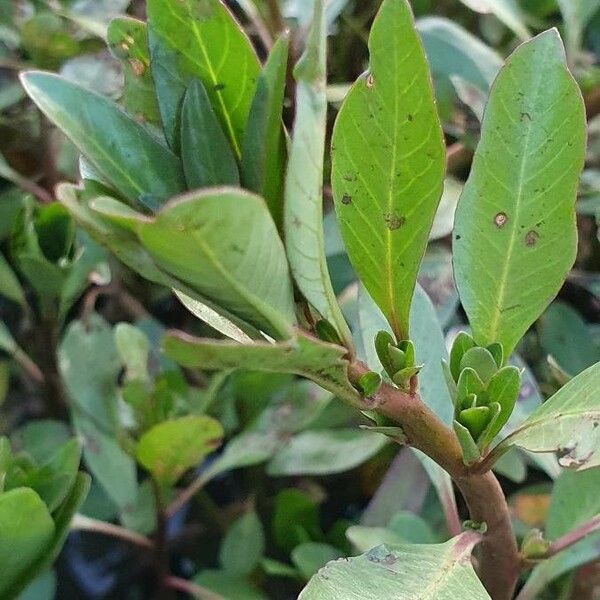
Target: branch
(574,536)
(83,523)
(186,495)
(193,589)
(498,553)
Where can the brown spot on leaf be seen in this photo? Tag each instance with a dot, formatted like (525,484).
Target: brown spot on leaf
(350,177)
(137,66)
(525,115)
(500,220)
(346,199)
(393,221)
(531,238)
(370,81)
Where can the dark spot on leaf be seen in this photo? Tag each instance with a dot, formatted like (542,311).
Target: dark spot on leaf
(410,118)
(218,87)
(500,220)
(525,115)
(531,238)
(346,199)
(393,221)
(350,176)
(296,222)
(457,237)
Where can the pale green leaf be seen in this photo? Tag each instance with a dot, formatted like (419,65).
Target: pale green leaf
(243,545)
(388,164)
(264,144)
(9,284)
(405,572)
(201,39)
(576,15)
(174,446)
(303,210)
(325,452)
(567,424)
(309,557)
(306,356)
(121,150)
(507,11)
(514,232)
(225,245)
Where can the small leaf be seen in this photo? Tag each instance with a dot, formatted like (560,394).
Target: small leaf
(469,448)
(369,383)
(386,199)
(201,39)
(26,529)
(303,209)
(172,447)
(121,150)
(462,343)
(504,388)
(469,383)
(9,284)
(427,571)
(515,221)
(206,153)
(264,144)
(309,557)
(481,361)
(243,546)
(475,419)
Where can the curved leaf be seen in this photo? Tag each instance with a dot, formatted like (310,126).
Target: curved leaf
(402,572)
(200,38)
(388,164)
(303,210)
(567,424)
(514,232)
(224,244)
(121,150)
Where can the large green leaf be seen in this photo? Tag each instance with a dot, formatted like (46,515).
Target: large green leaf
(388,164)
(403,572)
(127,39)
(567,424)
(205,150)
(303,211)
(26,528)
(200,38)
(515,235)
(225,245)
(306,356)
(172,447)
(119,148)
(264,144)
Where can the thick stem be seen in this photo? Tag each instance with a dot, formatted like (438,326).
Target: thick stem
(497,553)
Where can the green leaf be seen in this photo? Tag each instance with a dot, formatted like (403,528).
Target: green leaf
(325,452)
(386,198)
(205,150)
(127,39)
(121,150)
(566,424)
(576,15)
(507,11)
(201,39)
(26,529)
(243,545)
(198,238)
(428,571)
(295,519)
(305,356)
(9,284)
(172,447)
(461,344)
(469,448)
(309,557)
(453,51)
(503,388)
(566,337)
(41,588)
(475,419)
(133,346)
(227,586)
(303,210)
(264,144)
(515,221)
(574,501)
(481,361)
